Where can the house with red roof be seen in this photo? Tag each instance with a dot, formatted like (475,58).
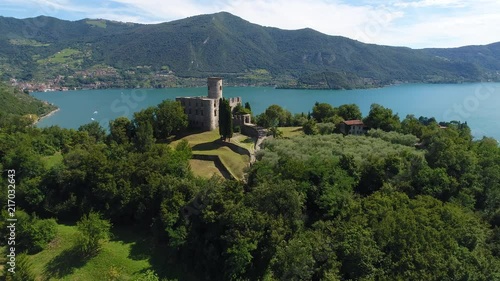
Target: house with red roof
(353,127)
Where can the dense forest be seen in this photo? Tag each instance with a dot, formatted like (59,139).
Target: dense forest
(17,103)
(102,53)
(410,200)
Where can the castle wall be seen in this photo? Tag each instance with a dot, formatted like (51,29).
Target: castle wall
(234,102)
(203,113)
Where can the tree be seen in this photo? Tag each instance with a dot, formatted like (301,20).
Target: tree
(93,231)
(321,111)
(349,112)
(147,115)
(276,132)
(412,125)
(144,138)
(121,130)
(238,109)
(95,130)
(274,115)
(225,119)
(382,118)
(310,127)
(247,106)
(170,118)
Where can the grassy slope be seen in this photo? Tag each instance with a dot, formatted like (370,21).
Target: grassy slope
(289,132)
(58,262)
(128,255)
(203,168)
(206,143)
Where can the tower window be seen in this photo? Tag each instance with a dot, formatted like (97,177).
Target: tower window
(220,87)
(201,113)
(215,112)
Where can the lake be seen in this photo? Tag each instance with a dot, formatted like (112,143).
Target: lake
(476,103)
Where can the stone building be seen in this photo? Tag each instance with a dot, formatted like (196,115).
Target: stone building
(353,127)
(203,112)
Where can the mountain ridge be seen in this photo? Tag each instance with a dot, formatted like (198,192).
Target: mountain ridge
(224,44)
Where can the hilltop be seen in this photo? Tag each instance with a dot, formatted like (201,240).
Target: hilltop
(103,53)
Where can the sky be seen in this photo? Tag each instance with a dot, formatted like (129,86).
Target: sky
(410,23)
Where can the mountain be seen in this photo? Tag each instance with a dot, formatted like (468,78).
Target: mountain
(107,53)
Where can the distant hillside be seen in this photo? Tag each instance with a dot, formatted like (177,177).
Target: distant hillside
(105,53)
(15,102)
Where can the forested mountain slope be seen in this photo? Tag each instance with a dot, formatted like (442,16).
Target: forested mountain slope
(223,44)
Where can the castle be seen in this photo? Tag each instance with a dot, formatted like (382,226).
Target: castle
(203,112)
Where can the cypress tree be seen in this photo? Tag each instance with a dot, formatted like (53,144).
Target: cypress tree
(222,118)
(247,106)
(225,119)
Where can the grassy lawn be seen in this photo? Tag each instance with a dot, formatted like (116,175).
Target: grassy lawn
(289,132)
(97,23)
(65,56)
(126,257)
(58,261)
(244,141)
(203,168)
(207,143)
(51,161)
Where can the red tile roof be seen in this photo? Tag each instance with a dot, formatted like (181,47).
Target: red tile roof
(354,123)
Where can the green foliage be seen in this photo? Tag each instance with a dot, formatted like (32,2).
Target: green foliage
(225,120)
(322,111)
(276,132)
(382,118)
(324,128)
(94,130)
(32,233)
(93,231)
(253,53)
(23,270)
(149,275)
(274,116)
(349,112)
(308,256)
(15,102)
(238,109)
(144,136)
(310,127)
(121,130)
(170,118)
(393,137)
(313,207)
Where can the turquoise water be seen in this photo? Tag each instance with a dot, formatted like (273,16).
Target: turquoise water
(476,103)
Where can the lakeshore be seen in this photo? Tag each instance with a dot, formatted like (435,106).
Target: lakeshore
(46,115)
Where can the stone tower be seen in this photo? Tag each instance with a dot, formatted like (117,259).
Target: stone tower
(214,88)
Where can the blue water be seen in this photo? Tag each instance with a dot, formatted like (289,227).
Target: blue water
(476,103)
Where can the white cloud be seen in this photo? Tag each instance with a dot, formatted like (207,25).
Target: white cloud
(413,23)
(446,32)
(431,3)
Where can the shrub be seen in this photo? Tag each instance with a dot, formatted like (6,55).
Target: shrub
(93,232)
(310,127)
(326,128)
